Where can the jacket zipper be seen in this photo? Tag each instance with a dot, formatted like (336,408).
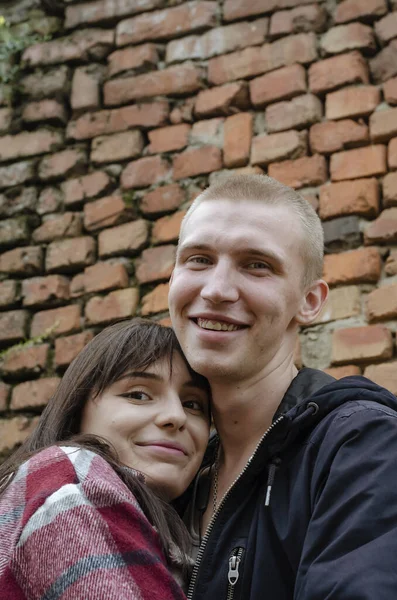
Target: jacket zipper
(220,506)
(233,574)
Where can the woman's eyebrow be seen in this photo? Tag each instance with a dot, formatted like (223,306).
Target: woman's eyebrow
(142,375)
(197,384)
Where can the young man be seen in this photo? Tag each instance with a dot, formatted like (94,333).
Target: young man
(299,500)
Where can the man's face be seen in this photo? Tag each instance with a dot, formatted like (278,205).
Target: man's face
(237,287)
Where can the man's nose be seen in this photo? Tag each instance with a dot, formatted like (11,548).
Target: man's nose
(171,413)
(220,284)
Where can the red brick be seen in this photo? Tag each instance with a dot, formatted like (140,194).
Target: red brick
(279,146)
(33,394)
(29,143)
(282,84)
(155,263)
(14,232)
(50,200)
(160,25)
(219,40)
(209,131)
(162,199)
(13,326)
(183,111)
(144,172)
(117,147)
(237,140)
(84,44)
(4,393)
(54,82)
(355,36)
(67,348)
(167,228)
(389,185)
(222,100)
(342,303)
(352,102)
(383,125)
(382,303)
(345,371)
(356,266)
(392,154)
(22,201)
(306,171)
(384,229)
(197,161)
(134,57)
(26,361)
(299,19)
(297,113)
(45,111)
(22,261)
(15,431)
(116,305)
(350,10)
(332,136)
(5,118)
(62,164)
(16,173)
(384,65)
(86,187)
(361,344)
(340,70)
(57,226)
(56,321)
(102,122)
(70,255)
(384,374)
(95,12)
(300,48)
(361,162)
(386,28)
(123,240)
(105,212)
(391,263)
(86,88)
(156,301)
(40,291)
(237,9)
(105,276)
(8,292)
(167,139)
(359,197)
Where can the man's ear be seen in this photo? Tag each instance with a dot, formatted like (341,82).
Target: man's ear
(313,301)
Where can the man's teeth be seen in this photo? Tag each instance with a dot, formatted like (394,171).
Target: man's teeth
(216,325)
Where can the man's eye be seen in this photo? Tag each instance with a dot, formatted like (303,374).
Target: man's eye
(258,265)
(136,395)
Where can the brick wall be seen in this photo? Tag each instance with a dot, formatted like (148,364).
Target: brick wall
(133,108)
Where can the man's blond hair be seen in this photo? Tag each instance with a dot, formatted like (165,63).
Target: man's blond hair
(261,188)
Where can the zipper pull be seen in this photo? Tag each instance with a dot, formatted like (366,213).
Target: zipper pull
(233,574)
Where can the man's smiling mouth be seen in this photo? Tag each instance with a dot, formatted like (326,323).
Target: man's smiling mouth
(217,325)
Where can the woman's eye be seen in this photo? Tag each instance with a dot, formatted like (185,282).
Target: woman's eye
(136,395)
(195,405)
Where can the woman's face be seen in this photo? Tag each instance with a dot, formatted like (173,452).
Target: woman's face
(158,422)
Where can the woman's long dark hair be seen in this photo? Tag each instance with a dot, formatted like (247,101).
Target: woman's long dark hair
(104,360)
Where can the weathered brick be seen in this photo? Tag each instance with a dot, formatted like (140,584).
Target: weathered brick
(162,199)
(386,28)
(41,85)
(209,131)
(222,100)
(197,161)
(359,197)
(14,431)
(392,154)
(104,276)
(361,344)
(156,301)
(237,136)
(103,122)
(160,25)
(390,91)
(16,173)
(57,226)
(105,212)
(383,125)
(181,79)
(352,102)
(183,111)
(219,40)
(61,164)
(336,71)
(155,264)
(342,303)
(302,172)
(29,143)
(4,394)
(300,48)
(41,291)
(67,256)
(384,229)
(13,326)
(295,114)
(389,185)
(391,263)
(33,394)
(345,371)
(279,146)
(384,65)
(117,305)
(24,201)
(82,45)
(282,84)
(384,374)
(237,9)
(170,138)
(361,162)
(167,228)
(355,266)
(22,261)
(50,200)
(134,57)
(20,362)
(96,12)
(57,321)
(144,172)
(382,303)
(86,88)
(297,20)
(332,136)
(343,38)
(349,10)
(117,147)
(123,240)
(342,233)
(6,94)
(84,188)
(8,292)
(49,110)
(14,232)
(67,348)
(5,118)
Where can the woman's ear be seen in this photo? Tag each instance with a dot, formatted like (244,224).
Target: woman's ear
(313,301)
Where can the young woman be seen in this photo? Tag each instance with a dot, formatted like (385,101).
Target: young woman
(84,502)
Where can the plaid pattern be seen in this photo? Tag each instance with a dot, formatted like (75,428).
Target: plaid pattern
(70,529)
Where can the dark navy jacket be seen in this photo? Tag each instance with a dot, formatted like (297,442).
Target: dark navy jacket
(329,531)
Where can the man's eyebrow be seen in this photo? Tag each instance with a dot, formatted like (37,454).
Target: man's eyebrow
(192,246)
